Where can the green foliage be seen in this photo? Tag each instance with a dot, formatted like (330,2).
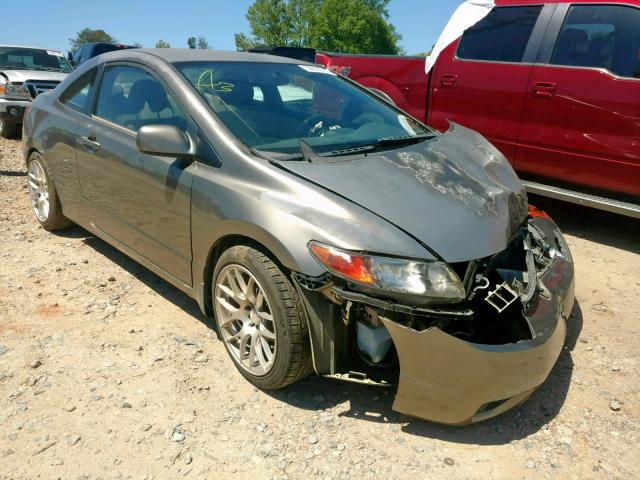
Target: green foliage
(355,26)
(88,35)
(137,45)
(202,43)
(244,43)
(162,44)
(191,41)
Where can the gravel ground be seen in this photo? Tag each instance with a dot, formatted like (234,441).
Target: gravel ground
(106,371)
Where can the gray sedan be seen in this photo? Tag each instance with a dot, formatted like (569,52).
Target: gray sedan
(323,229)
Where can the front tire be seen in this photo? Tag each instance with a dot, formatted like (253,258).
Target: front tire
(44,197)
(260,319)
(9,130)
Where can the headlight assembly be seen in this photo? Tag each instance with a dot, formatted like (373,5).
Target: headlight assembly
(13,90)
(434,281)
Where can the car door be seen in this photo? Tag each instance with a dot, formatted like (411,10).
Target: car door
(581,121)
(70,110)
(142,201)
(480,80)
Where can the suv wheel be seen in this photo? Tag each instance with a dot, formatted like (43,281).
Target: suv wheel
(260,319)
(44,198)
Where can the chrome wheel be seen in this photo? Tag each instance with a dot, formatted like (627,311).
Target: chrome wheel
(38,190)
(245,319)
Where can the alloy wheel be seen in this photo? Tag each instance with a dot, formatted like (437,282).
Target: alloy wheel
(245,319)
(38,190)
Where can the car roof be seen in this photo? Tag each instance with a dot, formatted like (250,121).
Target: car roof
(177,55)
(31,48)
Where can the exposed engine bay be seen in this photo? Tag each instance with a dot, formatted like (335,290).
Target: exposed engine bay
(500,291)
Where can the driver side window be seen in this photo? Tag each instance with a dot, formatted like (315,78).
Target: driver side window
(77,95)
(131,98)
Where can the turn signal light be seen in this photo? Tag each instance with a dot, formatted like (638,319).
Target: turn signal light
(348,266)
(536,212)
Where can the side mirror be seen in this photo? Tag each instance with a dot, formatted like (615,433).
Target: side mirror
(164,141)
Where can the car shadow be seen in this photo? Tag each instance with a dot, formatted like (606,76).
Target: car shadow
(590,224)
(374,404)
(146,276)
(13,173)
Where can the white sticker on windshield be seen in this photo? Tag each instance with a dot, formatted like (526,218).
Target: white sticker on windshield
(55,54)
(314,69)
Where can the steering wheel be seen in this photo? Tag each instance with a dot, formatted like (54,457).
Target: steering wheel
(315,125)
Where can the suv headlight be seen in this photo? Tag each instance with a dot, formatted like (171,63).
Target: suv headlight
(13,90)
(435,281)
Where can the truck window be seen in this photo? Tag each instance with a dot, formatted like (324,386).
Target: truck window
(601,36)
(501,36)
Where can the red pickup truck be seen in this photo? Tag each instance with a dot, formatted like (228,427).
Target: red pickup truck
(555,85)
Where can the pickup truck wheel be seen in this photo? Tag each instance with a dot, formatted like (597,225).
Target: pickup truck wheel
(260,319)
(8,130)
(44,198)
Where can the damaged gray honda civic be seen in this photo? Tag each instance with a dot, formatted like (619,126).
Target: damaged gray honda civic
(324,229)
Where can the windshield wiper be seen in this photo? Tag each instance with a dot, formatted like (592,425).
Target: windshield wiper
(408,140)
(308,154)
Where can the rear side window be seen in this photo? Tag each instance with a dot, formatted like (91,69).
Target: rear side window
(502,36)
(131,97)
(601,36)
(77,95)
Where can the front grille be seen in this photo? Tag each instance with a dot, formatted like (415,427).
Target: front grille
(36,87)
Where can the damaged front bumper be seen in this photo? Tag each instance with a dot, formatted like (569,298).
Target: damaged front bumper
(450,379)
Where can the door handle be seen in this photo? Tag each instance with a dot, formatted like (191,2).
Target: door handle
(448,81)
(544,89)
(90,144)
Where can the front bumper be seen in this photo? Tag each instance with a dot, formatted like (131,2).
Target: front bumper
(12,111)
(448,380)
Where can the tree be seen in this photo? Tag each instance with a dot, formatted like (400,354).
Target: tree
(244,43)
(162,44)
(357,26)
(137,45)
(202,43)
(88,35)
(191,41)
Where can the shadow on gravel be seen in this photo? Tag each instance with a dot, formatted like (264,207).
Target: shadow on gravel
(13,173)
(374,404)
(150,279)
(590,224)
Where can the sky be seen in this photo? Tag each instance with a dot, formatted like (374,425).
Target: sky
(51,23)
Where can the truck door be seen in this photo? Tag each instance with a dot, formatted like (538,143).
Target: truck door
(581,121)
(480,80)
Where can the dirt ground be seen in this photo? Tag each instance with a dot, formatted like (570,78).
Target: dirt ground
(106,371)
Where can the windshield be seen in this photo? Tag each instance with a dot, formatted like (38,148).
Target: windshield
(271,107)
(15,58)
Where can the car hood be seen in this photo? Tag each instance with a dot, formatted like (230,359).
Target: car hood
(20,76)
(455,194)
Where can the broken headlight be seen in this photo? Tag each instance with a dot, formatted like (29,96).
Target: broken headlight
(432,280)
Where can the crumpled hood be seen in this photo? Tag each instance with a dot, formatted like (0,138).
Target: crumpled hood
(20,76)
(456,194)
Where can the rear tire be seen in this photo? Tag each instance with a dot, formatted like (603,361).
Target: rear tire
(253,299)
(44,197)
